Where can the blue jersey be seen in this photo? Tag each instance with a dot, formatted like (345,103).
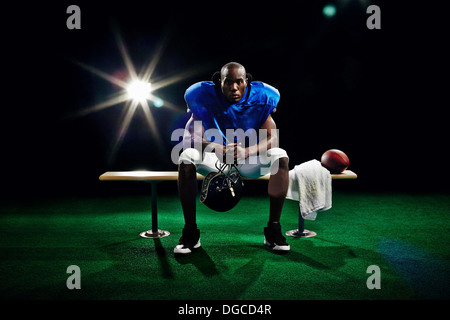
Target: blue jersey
(207,102)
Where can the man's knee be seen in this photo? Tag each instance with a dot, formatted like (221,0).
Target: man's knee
(190,156)
(186,172)
(283,163)
(279,160)
(187,164)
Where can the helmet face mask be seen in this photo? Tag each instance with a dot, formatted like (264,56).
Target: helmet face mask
(222,191)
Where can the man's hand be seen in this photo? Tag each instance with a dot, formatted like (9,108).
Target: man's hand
(237,152)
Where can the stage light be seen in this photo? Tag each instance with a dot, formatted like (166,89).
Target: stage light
(329,10)
(138,93)
(139,90)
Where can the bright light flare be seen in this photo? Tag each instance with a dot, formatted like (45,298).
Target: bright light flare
(139,90)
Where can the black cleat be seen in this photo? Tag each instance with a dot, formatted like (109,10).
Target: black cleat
(274,239)
(189,240)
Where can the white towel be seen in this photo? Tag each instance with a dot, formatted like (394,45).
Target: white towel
(310,185)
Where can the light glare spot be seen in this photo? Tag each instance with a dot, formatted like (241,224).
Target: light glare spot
(157,102)
(139,90)
(329,10)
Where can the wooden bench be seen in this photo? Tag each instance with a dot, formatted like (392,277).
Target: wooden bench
(157,176)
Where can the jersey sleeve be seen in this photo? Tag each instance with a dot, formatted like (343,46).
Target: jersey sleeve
(197,97)
(270,99)
(191,96)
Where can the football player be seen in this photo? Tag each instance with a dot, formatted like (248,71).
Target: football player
(227,104)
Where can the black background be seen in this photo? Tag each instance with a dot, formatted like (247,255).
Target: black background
(375,94)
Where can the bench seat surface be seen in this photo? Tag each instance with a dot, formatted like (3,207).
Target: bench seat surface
(145,175)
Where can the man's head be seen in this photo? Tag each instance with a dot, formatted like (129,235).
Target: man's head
(233,81)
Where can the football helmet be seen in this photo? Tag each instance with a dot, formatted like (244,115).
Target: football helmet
(221,191)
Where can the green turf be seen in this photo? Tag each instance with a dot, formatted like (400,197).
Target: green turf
(405,235)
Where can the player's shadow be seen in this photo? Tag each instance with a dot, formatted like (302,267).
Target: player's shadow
(201,260)
(297,256)
(227,283)
(328,257)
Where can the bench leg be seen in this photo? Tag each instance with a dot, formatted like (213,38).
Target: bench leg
(154,232)
(301,232)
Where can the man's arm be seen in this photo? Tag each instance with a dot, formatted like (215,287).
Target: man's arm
(193,136)
(270,141)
